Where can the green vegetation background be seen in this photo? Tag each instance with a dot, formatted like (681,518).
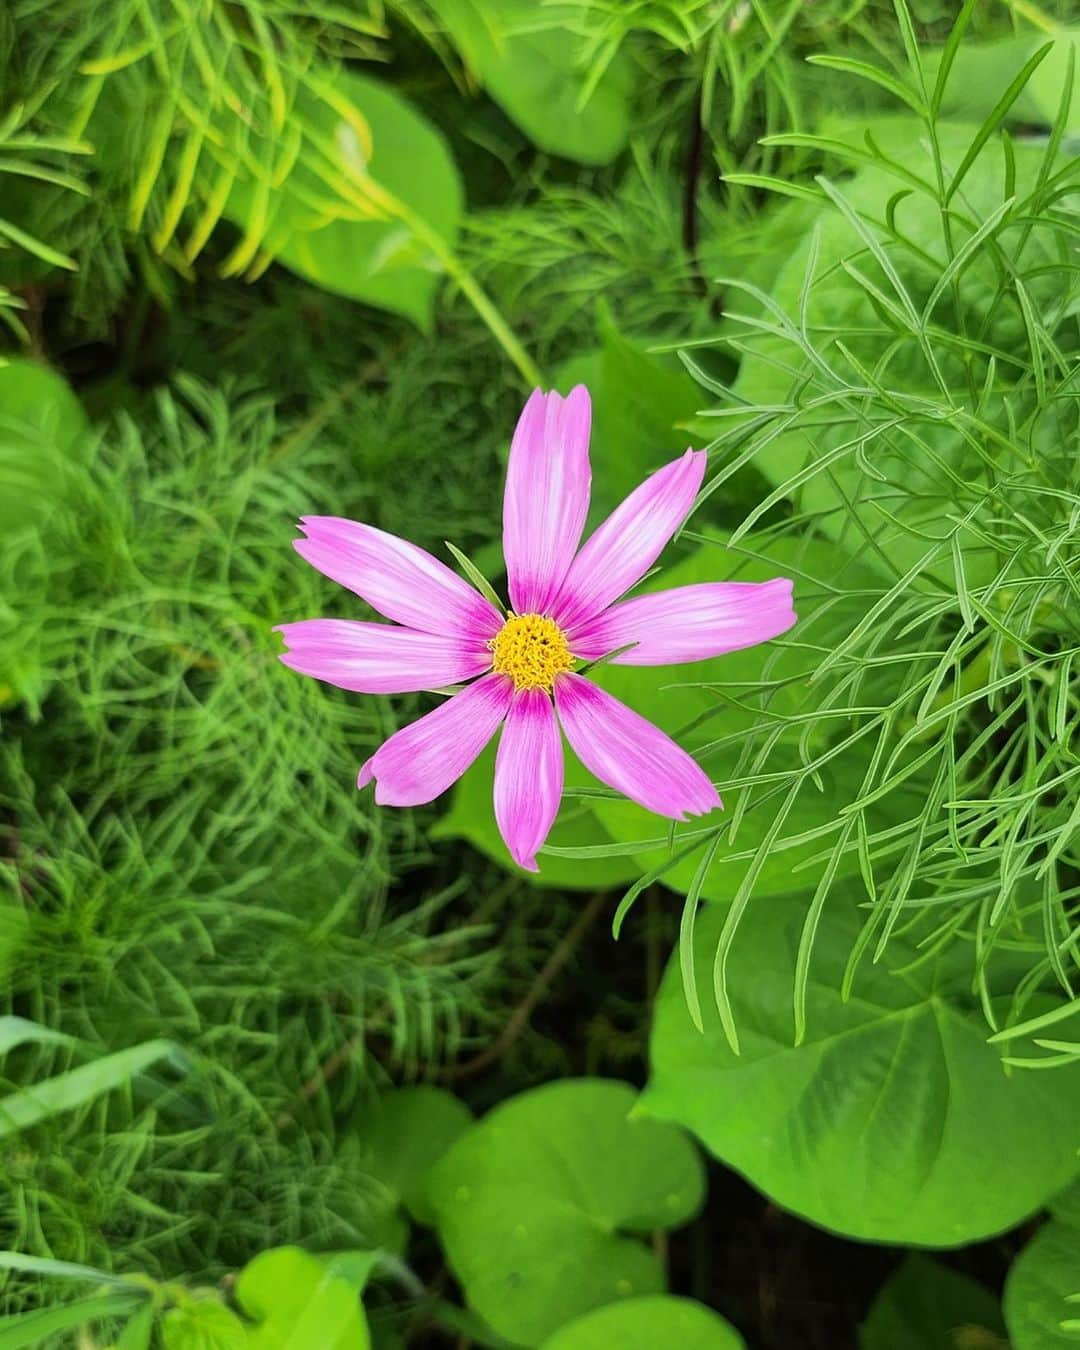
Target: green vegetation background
(282,257)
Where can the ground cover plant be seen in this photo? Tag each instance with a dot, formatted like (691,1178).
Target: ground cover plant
(285,1066)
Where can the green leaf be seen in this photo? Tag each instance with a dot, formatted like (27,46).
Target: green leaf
(536,79)
(138,1331)
(898,478)
(477,577)
(640,403)
(665,696)
(335,219)
(469,1326)
(299,1305)
(1046,86)
(890,1121)
(18,1031)
(648,1324)
(203,1325)
(533,1203)
(61,1270)
(44,505)
(1066,1206)
(403,1134)
(926,1306)
(355,1266)
(1041,1288)
(41,424)
(884,79)
(980,71)
(68,1090)
(32,1330)
(996,116)
(943,62)
(45,252)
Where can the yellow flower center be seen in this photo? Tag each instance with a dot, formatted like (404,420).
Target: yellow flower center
(532,650)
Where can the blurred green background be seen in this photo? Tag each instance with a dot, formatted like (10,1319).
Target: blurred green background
(284,1069)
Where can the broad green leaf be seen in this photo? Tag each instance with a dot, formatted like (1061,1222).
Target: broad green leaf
(890,1121)
(537,79)
(68,1090)
(641,402)
(297,1304)
(648,1324)
(661,694)
(982,70)
(469,1326)
(29,1331)
(926,1306)
(404,1133)
(203,1325)
(1066,1206)
(329,220)
(41,423)
(471,816)
(1046,86)
(533,1204)
(1042,1291)
(354,1266)
(43,496)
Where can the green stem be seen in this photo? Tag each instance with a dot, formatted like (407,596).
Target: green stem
(474,292)
(500,329)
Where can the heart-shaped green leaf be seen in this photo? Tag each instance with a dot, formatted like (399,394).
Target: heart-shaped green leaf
(205,1325)
(299,1304)
(1042,1292)
(891,1120)
(927,1306)
(647,1324)
(533,1204)
(403,1134)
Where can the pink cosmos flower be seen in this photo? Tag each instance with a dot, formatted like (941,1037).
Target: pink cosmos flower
(565,609)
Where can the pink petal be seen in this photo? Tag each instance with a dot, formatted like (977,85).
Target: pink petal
(528,775)
(423,759)
(687,623)
(629,753)
(627,544)
(398,579)
(380,658)
(547,495)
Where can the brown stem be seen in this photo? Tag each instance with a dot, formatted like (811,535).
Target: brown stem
(509,1034)
(326,1070)
(520,1016)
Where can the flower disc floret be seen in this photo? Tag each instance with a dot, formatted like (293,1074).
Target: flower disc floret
(532,650)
